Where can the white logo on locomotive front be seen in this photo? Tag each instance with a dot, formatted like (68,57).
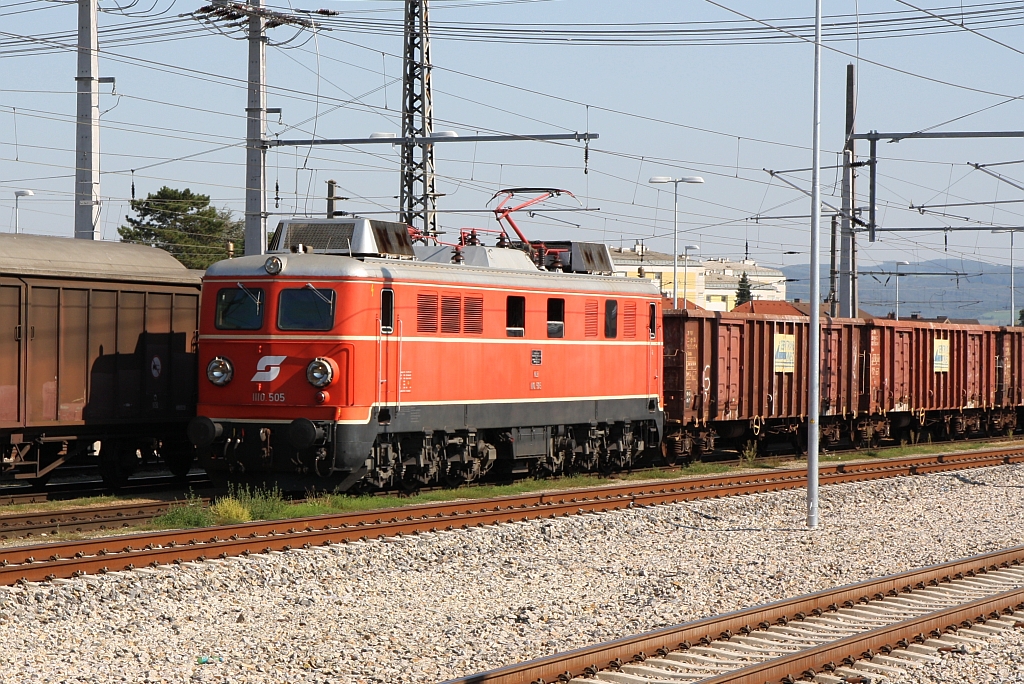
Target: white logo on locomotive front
(268,368)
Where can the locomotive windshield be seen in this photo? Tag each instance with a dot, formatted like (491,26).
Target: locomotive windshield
(306,309)
(239,308)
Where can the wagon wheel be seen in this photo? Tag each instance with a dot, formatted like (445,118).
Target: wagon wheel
(178,456)
(38,484)
(799,442)
(118,461)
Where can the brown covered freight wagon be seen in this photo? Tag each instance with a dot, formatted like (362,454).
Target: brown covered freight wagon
(97,349)
(743,378)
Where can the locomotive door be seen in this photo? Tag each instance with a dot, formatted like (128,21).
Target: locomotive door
(388,356)
(654,380)
(11,354)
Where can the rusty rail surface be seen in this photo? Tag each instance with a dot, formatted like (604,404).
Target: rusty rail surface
(563,666)
(68,559)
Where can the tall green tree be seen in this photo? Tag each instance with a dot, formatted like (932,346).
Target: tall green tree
(743,294)
(183,223)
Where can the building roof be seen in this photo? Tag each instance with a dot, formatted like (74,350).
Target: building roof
(624,255)
(736,268)
(770,307)
(805,309)
(666,304)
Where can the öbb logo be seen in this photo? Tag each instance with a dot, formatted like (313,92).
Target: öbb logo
(268,368)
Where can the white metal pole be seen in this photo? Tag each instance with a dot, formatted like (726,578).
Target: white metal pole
(675,244)
(815,328)
(897,292)
(16,198)
(1013,308)
(686,272)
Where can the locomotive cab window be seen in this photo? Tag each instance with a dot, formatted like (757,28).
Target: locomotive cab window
(306,308)
(611,318)
(515,316)
(387,311)
(652,323)
(239,308)
(556,318)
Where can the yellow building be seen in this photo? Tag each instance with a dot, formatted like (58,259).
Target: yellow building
(711,283)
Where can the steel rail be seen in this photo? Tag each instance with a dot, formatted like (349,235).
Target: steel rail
(587,660)
(19,525)
(67,559)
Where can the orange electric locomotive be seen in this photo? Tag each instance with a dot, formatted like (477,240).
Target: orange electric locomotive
(349,354)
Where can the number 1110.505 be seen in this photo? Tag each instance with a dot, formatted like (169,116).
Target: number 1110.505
(261,397)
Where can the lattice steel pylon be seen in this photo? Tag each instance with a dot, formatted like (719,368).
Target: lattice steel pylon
(418,195)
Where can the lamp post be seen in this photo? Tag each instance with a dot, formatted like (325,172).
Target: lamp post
(18,194)
(898,264)
(686,271)
(675,228)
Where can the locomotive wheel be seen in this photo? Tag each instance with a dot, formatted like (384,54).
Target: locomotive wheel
(117,463)
(178,456)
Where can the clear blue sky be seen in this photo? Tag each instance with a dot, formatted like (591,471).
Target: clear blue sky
(722,111)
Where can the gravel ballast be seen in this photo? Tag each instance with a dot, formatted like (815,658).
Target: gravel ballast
(426,608)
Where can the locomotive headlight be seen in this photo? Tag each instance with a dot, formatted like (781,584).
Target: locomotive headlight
(273,265)
(220,371)
(320,372)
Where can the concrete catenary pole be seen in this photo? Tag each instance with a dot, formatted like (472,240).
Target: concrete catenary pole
(814,333)
(255,134)
(87,126)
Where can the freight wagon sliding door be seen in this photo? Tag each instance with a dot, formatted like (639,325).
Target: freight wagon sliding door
(11,336)
(41,382)
(974,396)
(730,366)
(897,395)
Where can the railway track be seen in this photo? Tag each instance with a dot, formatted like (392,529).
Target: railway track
(15,495)
(68,559)
(20,525)
(848,634)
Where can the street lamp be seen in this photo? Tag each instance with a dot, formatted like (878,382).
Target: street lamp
(18,194)
(686,271)
(675,227)
(898,264)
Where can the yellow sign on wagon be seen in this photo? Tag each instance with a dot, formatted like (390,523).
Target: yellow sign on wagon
(940,356)
(785,353)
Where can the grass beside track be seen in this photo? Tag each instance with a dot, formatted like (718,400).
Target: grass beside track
(244,504)
(928,449)
(70,504)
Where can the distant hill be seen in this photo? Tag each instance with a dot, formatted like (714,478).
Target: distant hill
(983,293)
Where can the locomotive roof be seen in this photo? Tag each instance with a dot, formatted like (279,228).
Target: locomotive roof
(335,266)
(60,257)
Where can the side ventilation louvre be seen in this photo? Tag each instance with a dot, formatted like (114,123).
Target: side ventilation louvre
(473,312)
(426,312)
(629,320)
(451,314)
(590,327)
